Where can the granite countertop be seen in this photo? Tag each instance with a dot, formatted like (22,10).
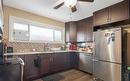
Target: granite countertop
(27,53)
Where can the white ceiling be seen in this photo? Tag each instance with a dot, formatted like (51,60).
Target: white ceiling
(45,8)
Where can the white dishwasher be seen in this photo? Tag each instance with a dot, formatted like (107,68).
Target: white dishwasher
(85,62)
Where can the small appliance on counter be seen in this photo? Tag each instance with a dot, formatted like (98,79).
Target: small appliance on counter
(73,46)
(9,49)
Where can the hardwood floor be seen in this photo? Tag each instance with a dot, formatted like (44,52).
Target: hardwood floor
(70,75)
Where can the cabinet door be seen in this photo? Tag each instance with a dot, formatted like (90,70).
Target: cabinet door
(31,70)
(74,60)
(81,25)
(71,32)
(67,30)
(101,17)
(85,30)
(57,61)
(89,29)
(45,64)
(119,11)
(67,64)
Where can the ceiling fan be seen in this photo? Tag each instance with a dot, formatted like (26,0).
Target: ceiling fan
(70,4)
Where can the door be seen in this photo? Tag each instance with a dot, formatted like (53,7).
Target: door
(108,45)
(107,71)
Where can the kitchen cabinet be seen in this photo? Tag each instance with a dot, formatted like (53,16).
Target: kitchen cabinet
(101,17)
(112,14)
(81,36)
(59,61)
(32,67)
(70,32)
(89,29)
(85,62)
(37,65)
(119,11)
(85,30)
(45,64)
(74,59)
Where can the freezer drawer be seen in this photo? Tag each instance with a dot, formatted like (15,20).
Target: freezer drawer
(85,63)
(107,71)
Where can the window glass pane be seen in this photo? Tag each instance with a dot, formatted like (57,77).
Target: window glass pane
(19,26)
(58,35)
(20,32)
(41,34)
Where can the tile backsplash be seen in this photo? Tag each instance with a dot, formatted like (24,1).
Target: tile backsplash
(28,46)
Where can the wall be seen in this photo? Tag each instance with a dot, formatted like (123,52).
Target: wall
(8,11)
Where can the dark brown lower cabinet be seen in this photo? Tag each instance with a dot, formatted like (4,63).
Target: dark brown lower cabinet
(45,64)
(32,68)
(59,61)
(74,60)
(42,64)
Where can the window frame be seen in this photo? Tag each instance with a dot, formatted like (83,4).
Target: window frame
(13,19)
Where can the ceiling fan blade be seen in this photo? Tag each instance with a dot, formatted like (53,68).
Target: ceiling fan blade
(73,9)
(59,5)
(87,0)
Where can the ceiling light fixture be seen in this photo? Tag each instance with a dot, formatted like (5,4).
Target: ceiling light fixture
(70,3)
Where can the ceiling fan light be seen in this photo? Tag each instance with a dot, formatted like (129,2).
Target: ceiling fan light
(70,3)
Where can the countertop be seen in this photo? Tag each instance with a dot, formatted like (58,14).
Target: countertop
(51,52)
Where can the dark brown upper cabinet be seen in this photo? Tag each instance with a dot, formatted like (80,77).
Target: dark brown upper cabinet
(112,14)
(101,17)
(81,31)
(89,29)
(85,30)
(119,12)
(70,32)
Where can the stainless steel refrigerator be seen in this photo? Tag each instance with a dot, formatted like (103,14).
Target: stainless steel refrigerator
(107,55)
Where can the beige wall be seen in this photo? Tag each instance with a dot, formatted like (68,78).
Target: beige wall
(8,11)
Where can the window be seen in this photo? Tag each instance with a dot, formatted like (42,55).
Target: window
(41,34)
(58,35)
(20,32)
(25,30)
